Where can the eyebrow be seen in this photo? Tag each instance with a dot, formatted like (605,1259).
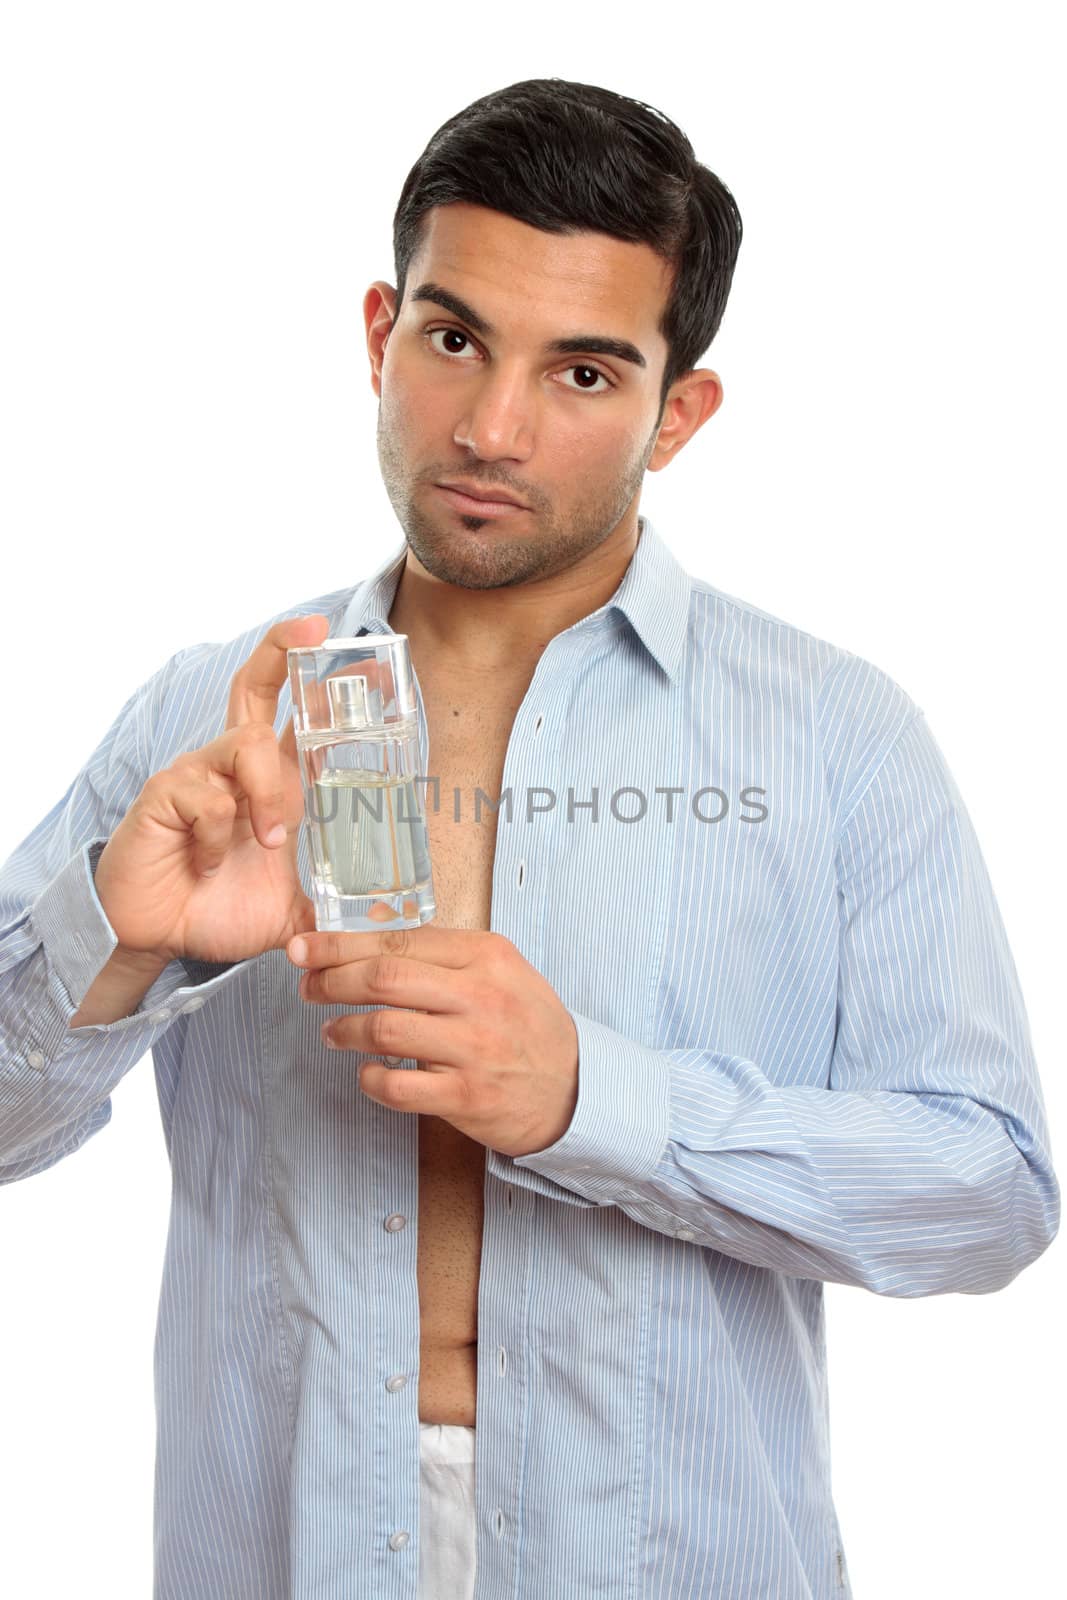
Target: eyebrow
(575,345)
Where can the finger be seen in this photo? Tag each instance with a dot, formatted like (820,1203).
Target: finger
(445,1041)
(440,947)
(434,1094)
(388,981)
(256,684)
(209,812)
(250,760)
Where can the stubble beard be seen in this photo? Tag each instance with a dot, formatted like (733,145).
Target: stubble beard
(449,546)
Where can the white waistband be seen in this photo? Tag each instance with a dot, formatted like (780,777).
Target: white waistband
(446,1443)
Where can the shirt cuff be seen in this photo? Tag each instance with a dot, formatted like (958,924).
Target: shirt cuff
(72,925)
(620,1125)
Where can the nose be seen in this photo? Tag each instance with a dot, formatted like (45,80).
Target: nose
(500,420)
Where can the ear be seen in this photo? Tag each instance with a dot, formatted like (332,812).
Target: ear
(379,314)
(691,400)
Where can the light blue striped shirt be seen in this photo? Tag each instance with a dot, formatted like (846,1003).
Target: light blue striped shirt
(803,1057)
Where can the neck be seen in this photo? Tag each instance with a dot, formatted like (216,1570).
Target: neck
(506,629)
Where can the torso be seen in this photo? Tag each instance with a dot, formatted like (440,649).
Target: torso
(468,731)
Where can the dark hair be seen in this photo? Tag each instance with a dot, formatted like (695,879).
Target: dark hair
(570,158)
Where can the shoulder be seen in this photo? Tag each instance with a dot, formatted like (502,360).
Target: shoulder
(729,628)
(845,705)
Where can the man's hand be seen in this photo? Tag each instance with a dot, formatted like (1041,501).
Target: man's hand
(204,863)
(498,1048)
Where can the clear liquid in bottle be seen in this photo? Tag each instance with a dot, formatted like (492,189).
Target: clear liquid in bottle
(372,832)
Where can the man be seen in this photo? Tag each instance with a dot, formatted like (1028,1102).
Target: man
(717,1005)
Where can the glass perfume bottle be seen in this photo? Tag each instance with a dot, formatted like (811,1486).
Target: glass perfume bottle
(356,723)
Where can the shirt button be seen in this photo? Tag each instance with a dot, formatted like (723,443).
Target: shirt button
(395,1383)
(397,1541)
(160,1016)
(34,1058)
(193,1005)
(685,1233)
(396,1222)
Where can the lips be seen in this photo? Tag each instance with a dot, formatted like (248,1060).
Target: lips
(490,496)
(468,505)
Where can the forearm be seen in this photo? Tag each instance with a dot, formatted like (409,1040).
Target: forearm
(119,987)
(56,1077)
(910,1153)
(903,1194)
(70,1023)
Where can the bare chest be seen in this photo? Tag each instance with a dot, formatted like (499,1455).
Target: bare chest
(466,760)
(467,748)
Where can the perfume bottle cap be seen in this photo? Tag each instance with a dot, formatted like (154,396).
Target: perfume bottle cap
(348,702)
(353,688)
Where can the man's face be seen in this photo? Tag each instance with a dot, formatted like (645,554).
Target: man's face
(569,434)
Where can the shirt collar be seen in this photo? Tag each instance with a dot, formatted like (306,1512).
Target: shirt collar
(653,596)
(368,610)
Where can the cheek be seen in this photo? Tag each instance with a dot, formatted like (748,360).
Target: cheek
(409,407)
(598,446)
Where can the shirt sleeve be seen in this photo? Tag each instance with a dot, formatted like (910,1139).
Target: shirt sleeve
(924,1166)
(55,1081)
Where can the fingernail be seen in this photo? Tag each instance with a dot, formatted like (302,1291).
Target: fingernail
(298,950)
(277,834)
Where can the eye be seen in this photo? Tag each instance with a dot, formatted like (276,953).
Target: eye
(453,333)
(579,366)
(584,366)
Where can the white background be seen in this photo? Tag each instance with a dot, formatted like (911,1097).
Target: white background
(194,201)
